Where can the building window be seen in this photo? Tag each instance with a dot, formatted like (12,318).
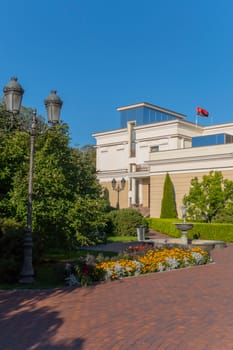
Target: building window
(209,140)
(133,149)
(132,139)
(144,115)
(154,148)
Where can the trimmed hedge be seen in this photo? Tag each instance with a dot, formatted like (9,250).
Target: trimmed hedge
(219,232)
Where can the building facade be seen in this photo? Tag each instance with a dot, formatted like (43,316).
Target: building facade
(151,142)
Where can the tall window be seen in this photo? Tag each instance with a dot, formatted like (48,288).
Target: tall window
(132,139)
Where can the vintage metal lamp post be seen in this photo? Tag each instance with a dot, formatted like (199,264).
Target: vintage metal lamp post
(118,188)
(13,93)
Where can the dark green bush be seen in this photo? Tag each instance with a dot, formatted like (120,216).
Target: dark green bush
(11,240)
(11,256)
(11,250)
(213,231)
(124,222)
(9,270)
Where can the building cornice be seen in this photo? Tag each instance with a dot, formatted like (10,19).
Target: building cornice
(218,126)
(109,132)
(157,138)
(111,144)
(190,158)
(192,170)
(111,174)
(166,123)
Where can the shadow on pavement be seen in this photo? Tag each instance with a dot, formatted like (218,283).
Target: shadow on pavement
(27,324)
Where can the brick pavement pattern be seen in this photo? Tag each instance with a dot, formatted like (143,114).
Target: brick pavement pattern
(177,310)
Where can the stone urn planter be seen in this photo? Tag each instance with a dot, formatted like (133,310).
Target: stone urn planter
(184,228)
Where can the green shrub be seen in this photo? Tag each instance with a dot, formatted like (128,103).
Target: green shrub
(9,270)
(11,241)
(11,249)
(213,231)
(10,225)
(124,222)
(11,256)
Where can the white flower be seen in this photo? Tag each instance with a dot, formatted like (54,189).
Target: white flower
(186,261)
(71,280)
(199,258)
(118,270)
(172,263)
(160,267)
(108,274)
(139,266)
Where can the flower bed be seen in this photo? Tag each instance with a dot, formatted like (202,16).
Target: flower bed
(154,260)
(91,269)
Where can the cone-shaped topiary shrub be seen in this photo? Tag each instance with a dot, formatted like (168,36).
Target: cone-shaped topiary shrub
(168,207)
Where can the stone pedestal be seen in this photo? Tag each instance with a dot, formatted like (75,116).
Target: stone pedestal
(184,228)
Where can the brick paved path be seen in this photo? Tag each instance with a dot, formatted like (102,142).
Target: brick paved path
(178,310)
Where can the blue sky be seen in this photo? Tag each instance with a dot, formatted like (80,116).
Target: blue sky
(99,55)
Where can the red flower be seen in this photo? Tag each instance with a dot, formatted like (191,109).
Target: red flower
(85,271)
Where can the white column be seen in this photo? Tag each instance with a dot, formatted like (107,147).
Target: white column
(140,197)
(133,191)
(182,142)
(129,192)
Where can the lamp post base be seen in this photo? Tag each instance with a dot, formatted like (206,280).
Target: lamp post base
(27,273)
(27,279)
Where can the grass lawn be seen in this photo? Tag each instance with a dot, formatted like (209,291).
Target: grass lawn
(124,239)
(50,273)
(46,276)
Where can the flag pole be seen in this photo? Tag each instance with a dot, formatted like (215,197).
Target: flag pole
(201,112)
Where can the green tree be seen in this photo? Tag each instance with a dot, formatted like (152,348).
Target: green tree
(90,151)
(168,206)
(225,215)
(13,156)
(208,196)
(86,174)
(64,177)
(87,221)
(14,146)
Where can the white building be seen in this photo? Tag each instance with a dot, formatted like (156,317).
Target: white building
(154,141)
